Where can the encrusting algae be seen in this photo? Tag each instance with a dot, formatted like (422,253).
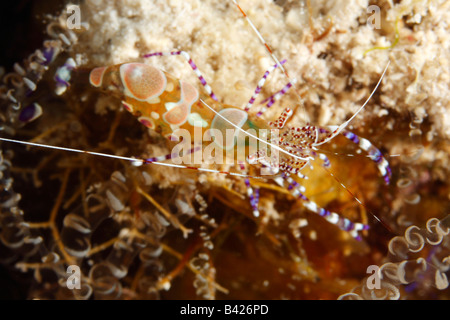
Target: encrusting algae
(152,232)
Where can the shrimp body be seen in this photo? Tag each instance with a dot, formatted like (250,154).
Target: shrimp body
(165,104)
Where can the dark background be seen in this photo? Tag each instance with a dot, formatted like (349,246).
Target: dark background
(22,27)
(22,31)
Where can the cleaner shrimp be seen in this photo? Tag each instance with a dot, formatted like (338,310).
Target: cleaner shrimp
(175,109)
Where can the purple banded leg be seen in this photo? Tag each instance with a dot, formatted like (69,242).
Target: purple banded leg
(194,67)
(324,158)
(284,167)
(373,152)
(334,218)
(343,223)
(294,187)
(277,96)
(171,155)
(252,195)
(281,121)
(260,85)
(270,98)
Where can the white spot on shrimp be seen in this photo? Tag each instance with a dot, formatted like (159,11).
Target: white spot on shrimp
(155,115)
(170,105)
(364,144)
(154,100)
(196,120)
(169,87)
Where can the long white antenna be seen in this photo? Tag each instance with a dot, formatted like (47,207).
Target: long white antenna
(338,129)
(135,161)
(260,37)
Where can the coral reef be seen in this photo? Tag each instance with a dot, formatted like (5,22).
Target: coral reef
(149,233)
